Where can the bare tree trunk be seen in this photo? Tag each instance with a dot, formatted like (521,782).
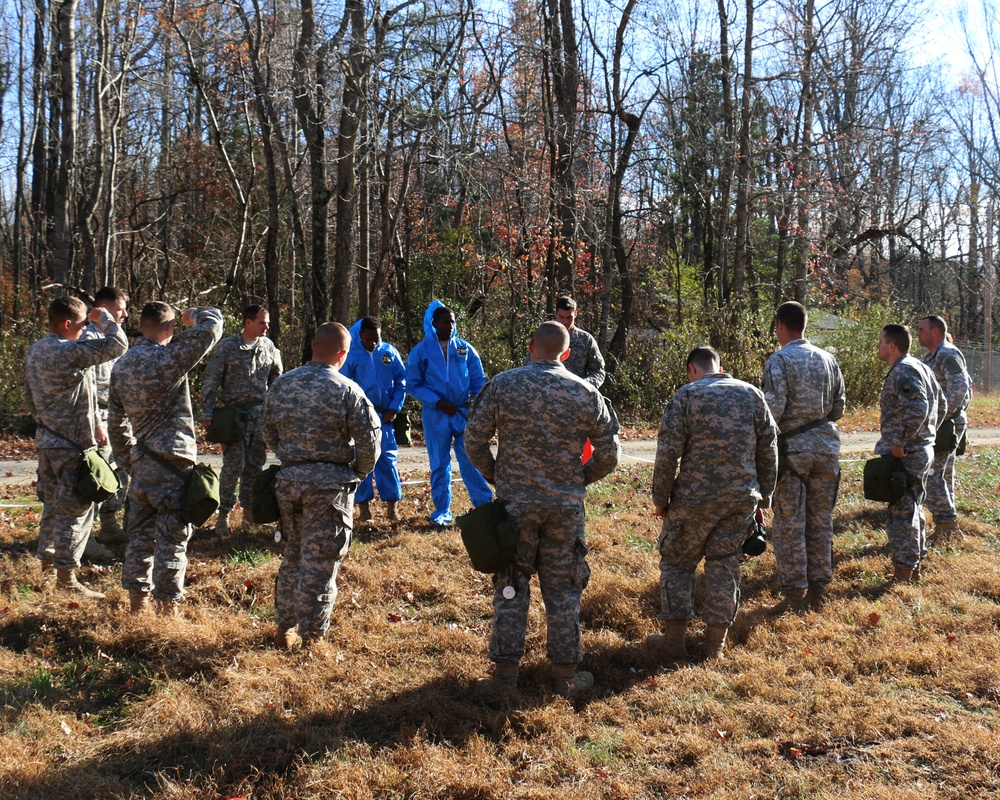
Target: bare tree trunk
(745,165)
(62,233)
(88,221)
(803,161)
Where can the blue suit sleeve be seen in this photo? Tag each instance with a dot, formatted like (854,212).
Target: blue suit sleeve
(398,372)
(416,369)
(477,377)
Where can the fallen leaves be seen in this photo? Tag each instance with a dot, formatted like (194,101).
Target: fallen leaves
(874,618)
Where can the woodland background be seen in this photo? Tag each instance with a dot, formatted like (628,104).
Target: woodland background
(680,167)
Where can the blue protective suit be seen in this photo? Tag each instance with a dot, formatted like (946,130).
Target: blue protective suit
(382,376)
(431,377)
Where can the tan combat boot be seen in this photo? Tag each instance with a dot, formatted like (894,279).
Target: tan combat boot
(168,608)
(390,511)
(66,580)
(794,602)
(670,643)
(816,598)
(138,601)
(948,535)
(567,682)
(222,525)
(715,640)
(97,553)
(111,531)
(503,682)
(365,512)
(902,575)
(47,567)
(286,638)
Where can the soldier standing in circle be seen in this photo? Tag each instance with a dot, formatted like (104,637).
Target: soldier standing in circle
(151,426)
(912,406)
(948,364)
(445,374)
(61,395)
(378,369)
(723,435)
(326,434)
(238,374)
(585,359)
(541,415)
(805,393)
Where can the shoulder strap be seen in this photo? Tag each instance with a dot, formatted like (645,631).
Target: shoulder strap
(45,427)
(163,462)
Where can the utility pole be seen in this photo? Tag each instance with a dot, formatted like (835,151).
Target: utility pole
(988,304)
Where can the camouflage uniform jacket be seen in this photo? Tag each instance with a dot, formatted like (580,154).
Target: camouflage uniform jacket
(723,433)
(150,400)
(585,359)
(102,371)
(803,384)
(315,414)
(912,405)
(238,374)
(948,364)
(59,388)
(542,415)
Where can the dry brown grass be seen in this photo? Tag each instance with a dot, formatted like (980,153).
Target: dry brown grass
(984,412)
(882,696)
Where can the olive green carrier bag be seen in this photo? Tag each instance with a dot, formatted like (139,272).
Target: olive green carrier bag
(884,479)
(201,487)
(96,480)
(227,426)
(490,536)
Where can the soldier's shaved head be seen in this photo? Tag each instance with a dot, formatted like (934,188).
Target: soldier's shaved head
(705,358)
(330,342)
(551,340)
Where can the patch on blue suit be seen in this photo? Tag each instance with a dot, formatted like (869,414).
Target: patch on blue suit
(462,351)
(386,358)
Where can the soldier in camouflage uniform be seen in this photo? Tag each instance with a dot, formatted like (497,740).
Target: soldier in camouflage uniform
(326,434)
(60,394)
(116,303)
(542,415)
(238,374)
(948,364)
(912,407)
(805,393)
(721,431)
(151,426)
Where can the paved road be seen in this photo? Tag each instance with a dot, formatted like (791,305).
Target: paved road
(636,450)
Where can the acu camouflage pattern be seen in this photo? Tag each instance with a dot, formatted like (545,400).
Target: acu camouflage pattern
(948,364)
(238,374)
(60,394)
(150,402)
(912,407)
(315,414)
(723,435)
(802,384)
(585,359)
(538,472)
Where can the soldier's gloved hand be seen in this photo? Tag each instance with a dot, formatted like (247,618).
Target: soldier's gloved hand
(448,408)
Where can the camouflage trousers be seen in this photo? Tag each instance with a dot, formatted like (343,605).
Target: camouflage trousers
(242,461)
(156,555)
(802,531)
(715,534)
(553,545)
(112,505)
(941,485)
(317,524)
(906,527)
(66,517)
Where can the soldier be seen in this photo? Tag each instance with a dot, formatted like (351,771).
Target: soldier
(116,302)
(377,368)
(151,426)
(721,431)
(238,374)
(948,365)
(585,359)
(445,374)
(539,475)
(326,434)
(912,407)
(60,393)
(805,393)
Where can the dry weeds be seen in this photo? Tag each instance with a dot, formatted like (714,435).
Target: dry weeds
(884,695)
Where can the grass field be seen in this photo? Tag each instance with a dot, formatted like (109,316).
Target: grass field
(883,695)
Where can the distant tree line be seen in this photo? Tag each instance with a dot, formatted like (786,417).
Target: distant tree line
(663,161)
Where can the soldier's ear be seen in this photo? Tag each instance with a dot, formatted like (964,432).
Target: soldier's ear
(565,355)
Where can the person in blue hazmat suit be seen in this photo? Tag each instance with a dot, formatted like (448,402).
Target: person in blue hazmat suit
(445,373)
(377,368)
